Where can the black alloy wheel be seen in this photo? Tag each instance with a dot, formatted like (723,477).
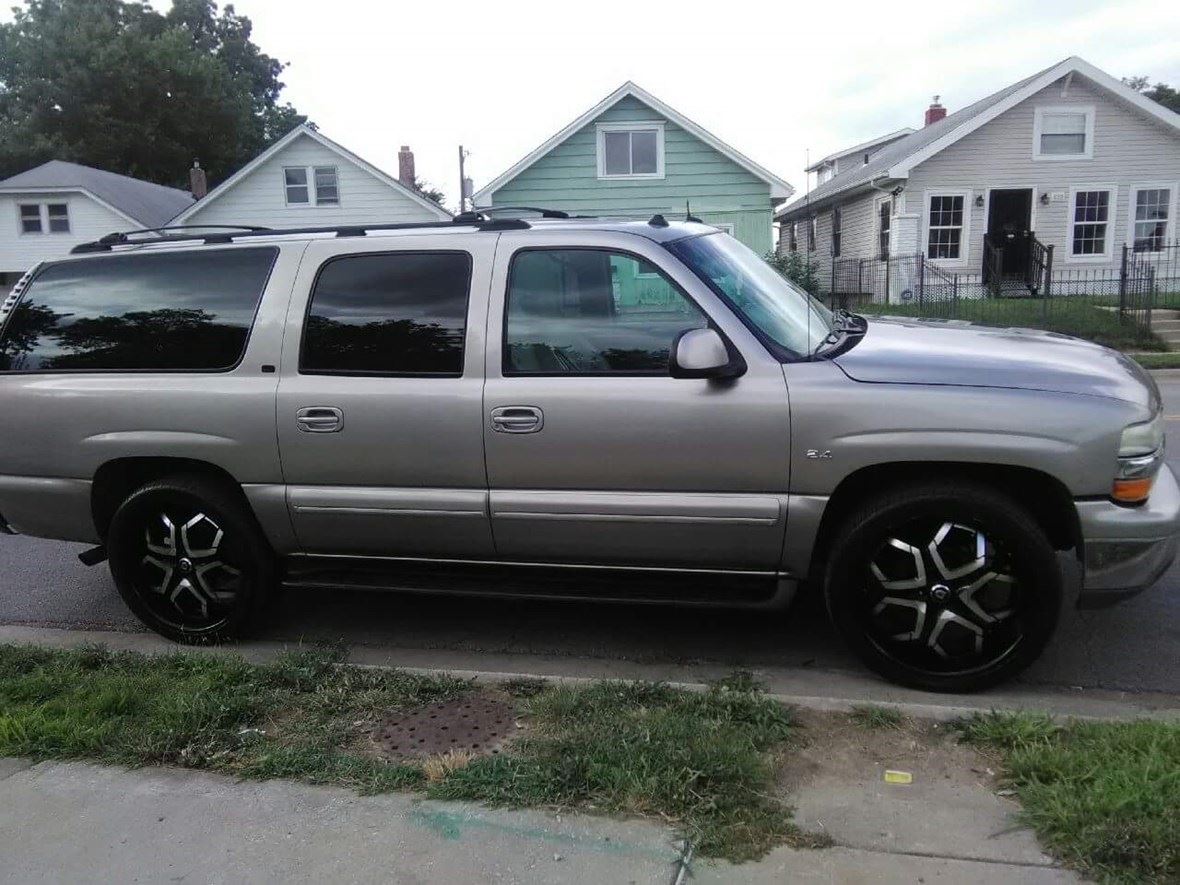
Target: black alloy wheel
(949,587)
(189,560)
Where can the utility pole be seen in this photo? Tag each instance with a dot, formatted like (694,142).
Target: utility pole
(462,181)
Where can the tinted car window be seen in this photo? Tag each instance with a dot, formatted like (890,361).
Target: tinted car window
(173,310)
(398,313)
(591,312)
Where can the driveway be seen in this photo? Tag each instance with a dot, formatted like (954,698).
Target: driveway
(1132,646)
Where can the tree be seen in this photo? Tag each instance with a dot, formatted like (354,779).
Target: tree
(426,189)
(1160,92)
(122,87)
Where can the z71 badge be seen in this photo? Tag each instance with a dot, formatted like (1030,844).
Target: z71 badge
(819,455)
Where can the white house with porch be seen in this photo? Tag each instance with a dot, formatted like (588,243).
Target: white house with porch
(1068,158)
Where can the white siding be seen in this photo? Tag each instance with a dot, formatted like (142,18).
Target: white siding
(260,198)
(1130,149)
(89,220)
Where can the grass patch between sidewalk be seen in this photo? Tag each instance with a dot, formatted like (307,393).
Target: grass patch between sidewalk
(704,762)
(1104,796)
(1170,360)
(1077,317)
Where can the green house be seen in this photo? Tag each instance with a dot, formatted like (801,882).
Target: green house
(632,156)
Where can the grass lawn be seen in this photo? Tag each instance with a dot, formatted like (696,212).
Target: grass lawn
(1105,797)
(705,762)
(1159,360)
(1077,318)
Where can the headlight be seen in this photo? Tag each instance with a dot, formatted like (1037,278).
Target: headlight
(1141,452)
(1142,439)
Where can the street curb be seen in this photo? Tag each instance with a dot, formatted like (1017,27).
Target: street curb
(810,688)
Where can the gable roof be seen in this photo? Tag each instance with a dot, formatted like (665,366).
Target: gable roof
(863,146)
(895,161)
(302,131)
(140,202)
(779,189)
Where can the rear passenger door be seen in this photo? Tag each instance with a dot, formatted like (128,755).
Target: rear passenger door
(380,400)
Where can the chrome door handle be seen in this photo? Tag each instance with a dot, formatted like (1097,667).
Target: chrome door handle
(320,419)
(517,419)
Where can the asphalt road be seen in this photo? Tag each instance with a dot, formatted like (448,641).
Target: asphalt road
(1134,646)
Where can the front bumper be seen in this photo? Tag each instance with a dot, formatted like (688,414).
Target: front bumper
(1128,548)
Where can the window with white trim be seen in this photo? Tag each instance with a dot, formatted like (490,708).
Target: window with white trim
(793,241)
(944,238)
(39,218)
(811,234)
(631,150)
(1090,228)
(307,184)
(723,226)
(1151,207)
(1063,133)
(837,223)
(884,222)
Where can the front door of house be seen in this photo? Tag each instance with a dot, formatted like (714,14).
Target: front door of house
(1009,219)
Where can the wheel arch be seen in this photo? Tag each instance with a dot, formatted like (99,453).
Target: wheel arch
(118,478)
(1045,497)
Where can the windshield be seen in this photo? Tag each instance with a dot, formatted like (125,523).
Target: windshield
(781,311)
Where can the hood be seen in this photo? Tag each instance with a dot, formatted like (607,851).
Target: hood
(952,352)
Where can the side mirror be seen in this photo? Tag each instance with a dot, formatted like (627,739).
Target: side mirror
(702,353)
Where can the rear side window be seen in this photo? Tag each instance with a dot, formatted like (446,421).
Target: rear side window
(171,311)
(396,313)
(591,312)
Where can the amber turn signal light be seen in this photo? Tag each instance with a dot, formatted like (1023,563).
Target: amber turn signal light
(1132,491)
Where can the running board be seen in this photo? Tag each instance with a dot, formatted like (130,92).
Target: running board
(540,581)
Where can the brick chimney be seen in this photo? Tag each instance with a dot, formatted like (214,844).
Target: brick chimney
(197,184)
(405,166)
(935,112)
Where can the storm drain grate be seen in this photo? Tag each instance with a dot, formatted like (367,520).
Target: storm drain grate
(477,724)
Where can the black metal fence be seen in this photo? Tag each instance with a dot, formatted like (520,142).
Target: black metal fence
(1122,299)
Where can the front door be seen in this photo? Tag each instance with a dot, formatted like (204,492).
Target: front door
(1009,218)
(380,418)
(595,453)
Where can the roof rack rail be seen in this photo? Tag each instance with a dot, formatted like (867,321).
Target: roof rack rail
(486,213)
(231,233)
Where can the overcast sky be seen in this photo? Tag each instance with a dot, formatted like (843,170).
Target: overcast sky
(771,79)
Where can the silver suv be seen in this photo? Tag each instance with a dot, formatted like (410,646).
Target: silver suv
(568,408)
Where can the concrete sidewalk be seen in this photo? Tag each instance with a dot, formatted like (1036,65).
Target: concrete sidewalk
(79,822)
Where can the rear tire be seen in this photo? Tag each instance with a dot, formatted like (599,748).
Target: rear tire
(190,560)
(945,586)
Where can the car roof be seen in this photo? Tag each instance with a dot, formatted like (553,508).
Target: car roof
(657,229)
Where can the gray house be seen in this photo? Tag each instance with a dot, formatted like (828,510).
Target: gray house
(1069,157)
(47,210)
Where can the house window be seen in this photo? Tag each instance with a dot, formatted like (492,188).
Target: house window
(306,185)
(945,237)
(723,226)
(59,218)
(30,218)
(836,223)
(632,150)
(1151,208)
(1090,227)
(811,234)
(793,242)
(1063,133)
(38,218)
(327,193)
(884,217)
(297,191)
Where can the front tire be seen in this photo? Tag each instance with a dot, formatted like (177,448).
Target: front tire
(944,586)
(190,560)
